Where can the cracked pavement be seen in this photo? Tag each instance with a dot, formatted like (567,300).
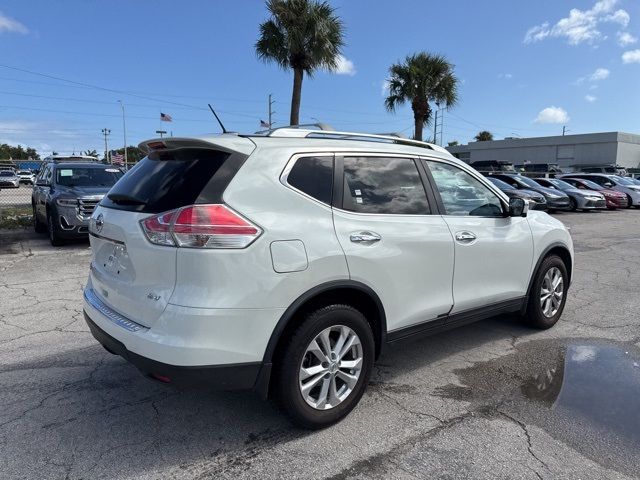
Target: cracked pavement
(448,406)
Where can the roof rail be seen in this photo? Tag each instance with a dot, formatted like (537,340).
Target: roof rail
(303,126)
(365,137)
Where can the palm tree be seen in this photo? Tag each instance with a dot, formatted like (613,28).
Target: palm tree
(421,79)
(484,136)
(302,35)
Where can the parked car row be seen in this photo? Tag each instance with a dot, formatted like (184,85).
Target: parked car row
(574,191)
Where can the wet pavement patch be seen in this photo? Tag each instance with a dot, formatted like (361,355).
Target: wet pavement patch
(583,392)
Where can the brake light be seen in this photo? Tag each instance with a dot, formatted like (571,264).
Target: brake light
(201,226)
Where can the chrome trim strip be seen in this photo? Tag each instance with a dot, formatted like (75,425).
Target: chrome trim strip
(93,300)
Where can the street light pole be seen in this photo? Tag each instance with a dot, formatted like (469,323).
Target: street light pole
(124,132)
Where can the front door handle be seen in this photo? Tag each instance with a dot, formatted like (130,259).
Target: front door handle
(465,237)
(364,237)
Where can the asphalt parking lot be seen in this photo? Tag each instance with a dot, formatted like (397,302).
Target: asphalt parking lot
(490,400)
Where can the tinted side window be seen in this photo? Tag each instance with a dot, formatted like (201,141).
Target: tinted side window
(383,185)
(313,176)
(462,194)
(166,180)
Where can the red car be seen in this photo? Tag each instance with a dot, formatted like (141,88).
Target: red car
(613,198)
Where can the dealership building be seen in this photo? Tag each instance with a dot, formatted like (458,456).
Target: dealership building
(609,148)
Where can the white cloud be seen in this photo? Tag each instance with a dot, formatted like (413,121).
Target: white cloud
(625,39)
(580,26)
(590,98)
(9,25)
(506,76)
(598,75)
(552,115)
(345,66)
(632,56)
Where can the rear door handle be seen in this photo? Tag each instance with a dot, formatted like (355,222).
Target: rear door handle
(465,237)
(364,237)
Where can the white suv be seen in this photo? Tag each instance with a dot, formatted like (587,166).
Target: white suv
(286,261)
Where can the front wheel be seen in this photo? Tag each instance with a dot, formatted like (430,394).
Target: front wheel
(54,236)
(548,293)
(324,368)
(573,205)
(38,226)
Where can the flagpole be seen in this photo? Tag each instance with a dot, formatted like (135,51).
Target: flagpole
(124,131)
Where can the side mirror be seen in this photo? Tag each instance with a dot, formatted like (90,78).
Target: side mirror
(42,183)
(608,184)
(518,207)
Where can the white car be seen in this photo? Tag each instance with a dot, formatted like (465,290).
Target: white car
(285,261)
(26,176)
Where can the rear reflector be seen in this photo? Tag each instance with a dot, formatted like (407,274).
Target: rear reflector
(200,226)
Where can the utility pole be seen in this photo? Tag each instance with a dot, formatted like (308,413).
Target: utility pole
(436,124)
(564,130)
(124,133)
(435,128)
(271,112)
(106,132)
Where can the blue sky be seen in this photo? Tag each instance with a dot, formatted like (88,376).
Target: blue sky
(526,68)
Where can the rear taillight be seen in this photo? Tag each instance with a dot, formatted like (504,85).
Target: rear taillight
(200,226)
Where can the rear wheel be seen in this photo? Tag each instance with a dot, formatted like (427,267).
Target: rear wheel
(38,226)
(629,202)
(548,293)
(324,369)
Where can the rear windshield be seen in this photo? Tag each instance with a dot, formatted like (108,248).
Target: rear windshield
(87,176)
(166,180)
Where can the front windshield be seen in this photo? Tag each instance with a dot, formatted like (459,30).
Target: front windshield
(87,176)
(622,181)
(592,185)
(6,173)
(527,181)
(561,184)
(500,184)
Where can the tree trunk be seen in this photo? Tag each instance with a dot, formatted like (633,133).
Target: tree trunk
(418,120)
(295,96)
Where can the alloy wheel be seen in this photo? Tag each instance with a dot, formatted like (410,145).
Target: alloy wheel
(551,292)
(330,367)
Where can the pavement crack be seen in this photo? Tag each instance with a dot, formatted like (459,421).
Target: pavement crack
(525,430)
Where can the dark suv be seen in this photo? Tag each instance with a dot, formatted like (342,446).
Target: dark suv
(65,194)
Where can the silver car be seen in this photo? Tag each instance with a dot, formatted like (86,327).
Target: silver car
(580,199)
(9,179)
(614,182)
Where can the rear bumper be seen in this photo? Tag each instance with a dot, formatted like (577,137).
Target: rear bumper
(222,348)
(222,377)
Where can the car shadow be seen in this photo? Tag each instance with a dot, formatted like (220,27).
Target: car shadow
(93,410)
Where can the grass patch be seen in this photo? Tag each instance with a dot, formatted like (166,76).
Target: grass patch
(15,217)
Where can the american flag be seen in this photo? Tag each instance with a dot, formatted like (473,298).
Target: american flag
(117,158)
(164,117)
(264,124)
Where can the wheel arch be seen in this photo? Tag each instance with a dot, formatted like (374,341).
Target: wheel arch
(559,249)
(350,292)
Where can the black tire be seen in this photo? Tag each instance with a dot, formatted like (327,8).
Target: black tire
(38,226)
(535,315)
(573,204)
(629,202)
(290,358)
(54,236)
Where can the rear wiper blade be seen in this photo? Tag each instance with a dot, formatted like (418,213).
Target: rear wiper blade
(121,199)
